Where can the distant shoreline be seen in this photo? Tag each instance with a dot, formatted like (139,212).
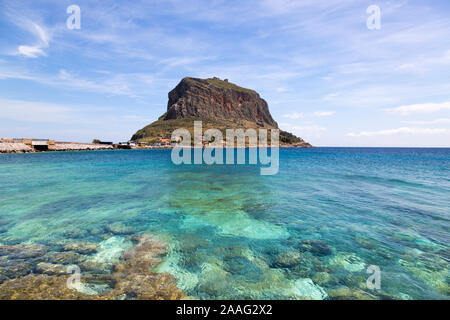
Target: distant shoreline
(94,147)
(171,147)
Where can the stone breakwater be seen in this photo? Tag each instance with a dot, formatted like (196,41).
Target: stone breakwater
(79,147)
(6,147)
(18,147)
(36,272)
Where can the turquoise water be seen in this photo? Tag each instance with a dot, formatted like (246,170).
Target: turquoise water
(235,234)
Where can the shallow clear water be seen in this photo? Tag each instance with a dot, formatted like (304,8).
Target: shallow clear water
(231,229)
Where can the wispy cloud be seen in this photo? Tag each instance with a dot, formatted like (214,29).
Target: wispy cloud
(41,35)
(404,130)
(420,108)
(30,52)
(331,96)
(435,121)
(133,85)
(324,113)
(307,131)
(294,115)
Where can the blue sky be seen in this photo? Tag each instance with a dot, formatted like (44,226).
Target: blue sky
(325,75)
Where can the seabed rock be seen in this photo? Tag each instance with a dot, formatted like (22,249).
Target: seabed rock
(288,259)
(119,228)
(108,253)
(10,269)
(243,269)
(345,293)
(75,234)
(51,268)
(306,289)
(23,251)
(39,287)
(350,262)
(81,247)
(316,247)
(214,280)
(66,257)
(322,278)
(433,270)
(132,279)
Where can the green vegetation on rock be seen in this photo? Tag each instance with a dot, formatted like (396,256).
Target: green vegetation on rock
(219,104)
(225,84)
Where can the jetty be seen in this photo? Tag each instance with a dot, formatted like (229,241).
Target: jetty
(24,145)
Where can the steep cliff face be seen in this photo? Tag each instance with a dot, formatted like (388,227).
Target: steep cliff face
(217,99)
(218,104)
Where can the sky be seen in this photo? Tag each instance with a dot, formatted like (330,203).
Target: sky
(326,76)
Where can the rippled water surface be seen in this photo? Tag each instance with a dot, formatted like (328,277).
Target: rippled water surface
(309,232)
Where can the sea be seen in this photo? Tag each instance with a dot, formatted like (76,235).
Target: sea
(333,223)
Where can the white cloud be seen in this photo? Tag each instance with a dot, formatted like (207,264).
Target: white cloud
(43,40)
(436,121)
(308,132)
(404,130)
(331,96)
(294,115)
(324,113)
(134,85)
(30,52)
(419,108)
(282,89)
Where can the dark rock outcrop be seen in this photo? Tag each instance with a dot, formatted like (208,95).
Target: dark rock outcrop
(219,104)
(213,98)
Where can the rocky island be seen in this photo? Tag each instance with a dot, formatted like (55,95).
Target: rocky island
(219,104)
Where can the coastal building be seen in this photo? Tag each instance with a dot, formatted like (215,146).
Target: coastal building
(164,141)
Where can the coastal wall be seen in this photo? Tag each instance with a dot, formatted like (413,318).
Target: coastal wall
(78,147)
(11,147)
(30,145)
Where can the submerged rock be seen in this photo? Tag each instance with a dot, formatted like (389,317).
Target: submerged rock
(350,262)
(306,289)
(108,253)
(39,287)
(10,269)
(160,286)
(75,234)
(119,228)
(317,247)
(242,268)
(214,280)
(95,231)
(431,269)
(23,251)
(134,278)
(322,278)
(51,268)
(145,254)
(345,293)
(67,257)
(81,247)
(288,259)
